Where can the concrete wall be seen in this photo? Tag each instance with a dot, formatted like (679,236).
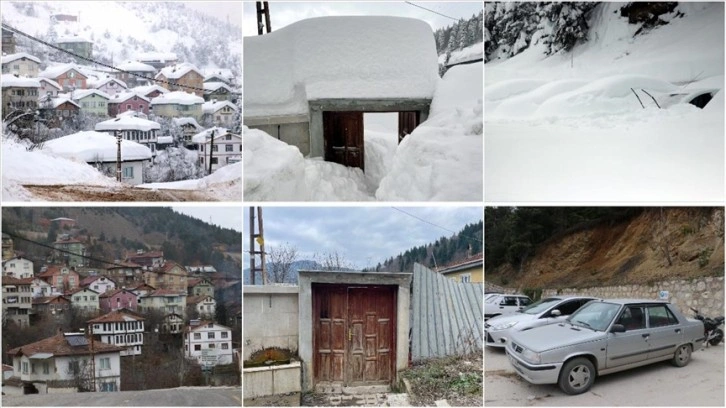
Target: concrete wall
(295,134)
(275,380)
(270,318)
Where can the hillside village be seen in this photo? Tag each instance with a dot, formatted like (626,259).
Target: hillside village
(172,120)
(140,322)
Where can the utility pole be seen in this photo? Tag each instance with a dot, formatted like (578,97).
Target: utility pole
(118,155)
(263,9)
(93,359)
(257,239)
(211,152)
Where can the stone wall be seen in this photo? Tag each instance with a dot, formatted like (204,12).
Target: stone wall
(270,318)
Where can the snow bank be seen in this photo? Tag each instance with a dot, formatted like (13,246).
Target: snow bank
(223,184)
(273,170)
(470,53)
(338,57)
(459,89)
(526,104)
(10,80)
(93,146)
(328,181)
(128,123)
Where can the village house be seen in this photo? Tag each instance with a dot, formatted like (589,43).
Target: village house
(91,101)
(220,75)
(21,64)
(128,101)
(8,41)
(189,127)
(84,299)
(125,273)
(169,275)
(209,343)
(100,150)
(151,259)
(61,277)
(178,104)
(132,69)
(53,306)
(201,307)
(68,76)
(141,289)
(98,283)
(150,91)
(205,271)
(173,323)
(56,110)
(18,267)
(41,288)
(117,299)
(77,45)
(158,60)
(70,251)
(469,270)
(50,365)
(164,301)
(225,149)
(17,300)
(135,129)
(48,87)
(220,113)
(111,86)
(200,287)
(121,328)
(219,91)
(182,77)
(19,93)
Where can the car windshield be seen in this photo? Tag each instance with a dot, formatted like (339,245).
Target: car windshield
(595,315)
(491,298)
(540,306)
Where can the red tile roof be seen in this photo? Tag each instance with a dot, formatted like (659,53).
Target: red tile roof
(58,346)
(193,300)
(9,280)
(122,315)
(113,292)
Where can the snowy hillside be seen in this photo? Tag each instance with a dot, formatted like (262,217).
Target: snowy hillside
(610,120)
(120,30)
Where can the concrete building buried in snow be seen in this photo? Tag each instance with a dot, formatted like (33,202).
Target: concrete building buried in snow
(308,84)
(208,343)
(145,132)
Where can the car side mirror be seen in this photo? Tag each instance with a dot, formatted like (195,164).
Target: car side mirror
(555,313)
(617,328)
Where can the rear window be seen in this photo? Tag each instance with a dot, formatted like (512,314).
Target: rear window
(660,315)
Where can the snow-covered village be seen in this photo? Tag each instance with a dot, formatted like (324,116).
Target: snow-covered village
(604,101)
(107,101)
(363,102)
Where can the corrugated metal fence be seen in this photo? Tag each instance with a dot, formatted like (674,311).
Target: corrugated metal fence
(447,316)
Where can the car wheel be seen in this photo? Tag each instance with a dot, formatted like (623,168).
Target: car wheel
(682,355)
(577,376)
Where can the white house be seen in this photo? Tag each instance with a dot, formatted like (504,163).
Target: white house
(207,342)
(145,132)
(17,300)
(120,328)
(18,267)
(221,113)
(21,63)
(165,301)
(98,283)
(204,305)
(49,87)
(41,288)
(100,149)
(50,365)
(84,299)
(226,148)
(110,86)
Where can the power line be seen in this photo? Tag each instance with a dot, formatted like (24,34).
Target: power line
(435,225)
(427,9)
(55,47)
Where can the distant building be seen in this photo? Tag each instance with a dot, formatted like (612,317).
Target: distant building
(151,259)
(470,269)
(208,343)
(41,288)
(221,113)
(118,299)
(53,306)
(204,306)
(92,101)
(182,77)
(219,91)
(125,273)
(97,283)
(121,328)
(77,45)
(226,148)
(145,132)
(19,93)
(71,251)
(189,127)
(150,91)
(21,64)
(85,299)
(68,76)
(157,60)
(48,87)
(164,301)
(178,104)
(18,267)
(111,86)
(128,101)
(200,287)
(132,69)
(170,275)
(8,250)
(17,300)
(8,41)
(62,278)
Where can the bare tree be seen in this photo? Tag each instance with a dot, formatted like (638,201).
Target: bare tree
(280,260)
(333,261)
(80,373)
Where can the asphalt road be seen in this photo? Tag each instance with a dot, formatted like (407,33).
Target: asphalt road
(172,397)
(700,383)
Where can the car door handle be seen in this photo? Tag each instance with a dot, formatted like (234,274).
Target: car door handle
(646,335)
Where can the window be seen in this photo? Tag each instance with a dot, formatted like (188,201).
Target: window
(210,335)
(197,347)
(128,172)
(214,159)
(46,368)
(25,367)
(228,148)
(225,346)
(32,368)
(212,345)
(466,278)
(224,335)
(633,318)
(228,137)
(106,363)
(197,336)
(215,148)
(660,315)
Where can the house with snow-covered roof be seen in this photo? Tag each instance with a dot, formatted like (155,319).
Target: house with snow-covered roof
(19,93)
(128,101)
(133,68)
(92,101)
(22,64)
(49,87)
(150,91)
(219,75)
(68,76)
(111,85)
(76,44)
(178,103)
(157,60)
(182,77)
(58,109)
(219,91)
(189,127)
(134,129)
(221,113)
(219,146)
(100,149)
(308,84)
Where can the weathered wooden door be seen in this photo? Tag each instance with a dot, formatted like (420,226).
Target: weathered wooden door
(354,334)
(407,122)
(343,138)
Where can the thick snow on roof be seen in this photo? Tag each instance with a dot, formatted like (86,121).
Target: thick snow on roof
(156,56)
(203,136)
(178,98)
(179,70)
(14,57)
(136,66)
(338,57)
(147,89)
(128,123)
(56,70)
(12,81)
(82,93)
(213,86)
(186,121)
(218,72)
(125,95)
(60,100)
(50,82)
(72,39)
(211,107)
(101,82)
(90,146)
(165,140)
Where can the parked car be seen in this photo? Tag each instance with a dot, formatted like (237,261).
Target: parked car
(603,337)
(502,304)
(543,312)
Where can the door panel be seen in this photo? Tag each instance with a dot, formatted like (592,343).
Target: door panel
(343,138)
(407,122)
(330,334)
(370,313)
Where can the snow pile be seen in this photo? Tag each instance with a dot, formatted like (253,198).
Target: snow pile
(338,57)
(12,81)
(470,53)
(223,184)
(177,98)
(442,159)
(128,123)
(91,147)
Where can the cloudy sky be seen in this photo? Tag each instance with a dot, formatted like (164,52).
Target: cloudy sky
(285,13)
(226,217)
(363,235)
(222,10)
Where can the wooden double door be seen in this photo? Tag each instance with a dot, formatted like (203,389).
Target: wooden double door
(354,334)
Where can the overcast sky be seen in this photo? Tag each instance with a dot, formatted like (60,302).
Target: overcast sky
(285,13)
(226,217)
(363,235)
(220,10)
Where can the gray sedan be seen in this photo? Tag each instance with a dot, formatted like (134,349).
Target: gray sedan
(604,337)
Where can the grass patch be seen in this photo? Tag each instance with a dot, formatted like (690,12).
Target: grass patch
(457,379)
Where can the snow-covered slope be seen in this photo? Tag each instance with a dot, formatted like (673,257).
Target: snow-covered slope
(222,185)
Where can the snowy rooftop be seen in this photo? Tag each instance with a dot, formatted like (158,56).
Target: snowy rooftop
(58,101)
(165,140)
(338,57)
(213,86)
(93,146)
(50,82)
(101,82)
(177,97)
(186,121)
(20,55)
(147,89)
(211,107)
(82,93)
(125,95)
(156,56)
(218,72)
(10,80)
(203,136)
(72,39)
(179,70)
(56,70)
(136,66)
(128,123)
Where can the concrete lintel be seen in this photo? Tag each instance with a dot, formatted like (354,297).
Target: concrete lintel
(371,105)
(265,289)
(344,277)
(275,120)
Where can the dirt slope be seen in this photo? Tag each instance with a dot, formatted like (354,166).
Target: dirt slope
(655,245)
